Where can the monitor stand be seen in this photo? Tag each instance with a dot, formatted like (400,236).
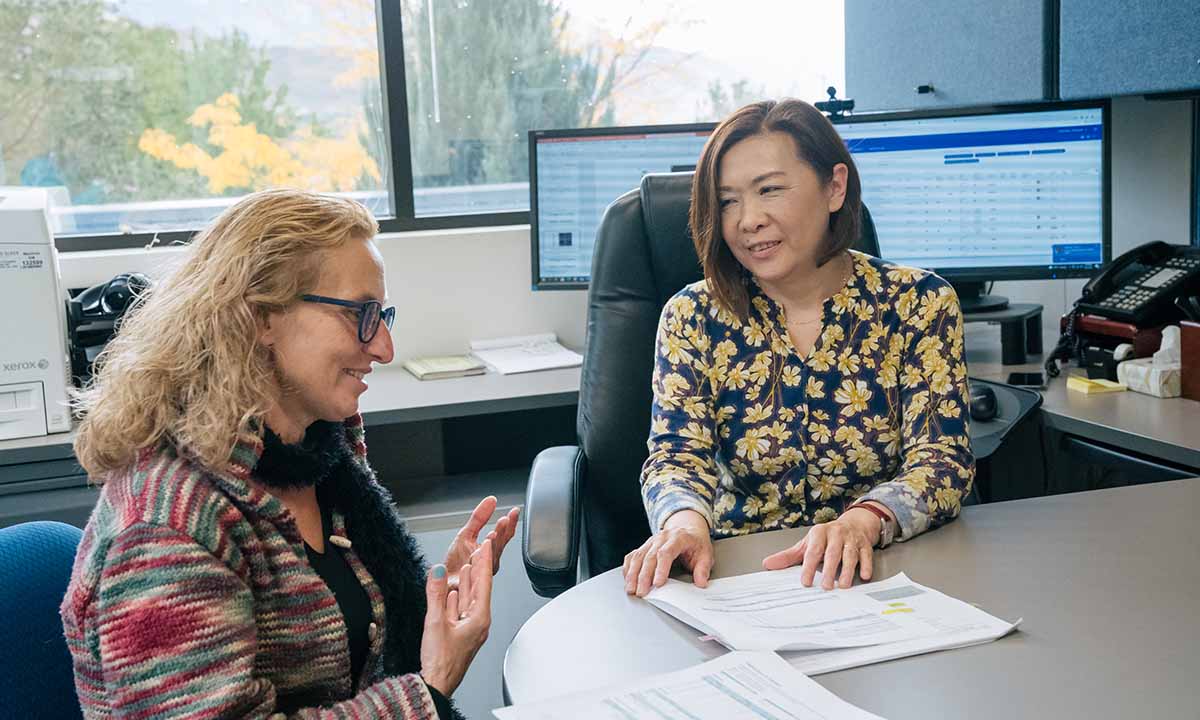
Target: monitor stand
(972,299)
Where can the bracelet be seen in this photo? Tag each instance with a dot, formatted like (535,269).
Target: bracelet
(884,521)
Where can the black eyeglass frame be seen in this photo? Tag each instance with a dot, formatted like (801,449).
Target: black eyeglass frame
(370,313)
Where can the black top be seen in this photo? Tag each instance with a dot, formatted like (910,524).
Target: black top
(352,599)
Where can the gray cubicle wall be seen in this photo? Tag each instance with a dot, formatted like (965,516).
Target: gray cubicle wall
(971,53)
(1119,47)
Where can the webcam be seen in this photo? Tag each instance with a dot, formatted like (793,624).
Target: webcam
(833,106)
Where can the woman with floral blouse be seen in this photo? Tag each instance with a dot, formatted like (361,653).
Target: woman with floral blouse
(801,382)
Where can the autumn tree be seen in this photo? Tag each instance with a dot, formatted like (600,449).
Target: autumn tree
(82,83)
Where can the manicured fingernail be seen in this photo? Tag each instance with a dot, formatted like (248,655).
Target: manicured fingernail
(439,572)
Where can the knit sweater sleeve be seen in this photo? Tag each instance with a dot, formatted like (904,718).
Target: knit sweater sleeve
(170,632)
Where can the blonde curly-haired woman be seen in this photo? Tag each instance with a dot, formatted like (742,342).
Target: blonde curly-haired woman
(242,560)
(801,382)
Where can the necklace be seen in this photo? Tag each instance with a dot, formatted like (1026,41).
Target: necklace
(845,279)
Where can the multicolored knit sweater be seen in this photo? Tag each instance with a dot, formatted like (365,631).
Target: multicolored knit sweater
(191,597)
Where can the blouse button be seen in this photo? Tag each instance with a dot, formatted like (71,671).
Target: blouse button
(372,632)
(343,543)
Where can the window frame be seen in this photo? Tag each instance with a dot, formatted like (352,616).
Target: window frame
(393,87)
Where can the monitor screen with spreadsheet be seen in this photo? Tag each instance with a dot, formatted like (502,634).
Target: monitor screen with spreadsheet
(575,174)
(1017,192)
(981,194)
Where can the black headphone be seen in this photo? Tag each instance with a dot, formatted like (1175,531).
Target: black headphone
(110,300)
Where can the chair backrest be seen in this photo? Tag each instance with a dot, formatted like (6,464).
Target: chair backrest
(643,255)
(36,676)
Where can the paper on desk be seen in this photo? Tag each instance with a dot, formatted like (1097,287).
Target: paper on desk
(771,610)
(525,353)
(940,622)
(739,684)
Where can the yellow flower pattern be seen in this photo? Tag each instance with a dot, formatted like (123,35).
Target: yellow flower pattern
(755,437)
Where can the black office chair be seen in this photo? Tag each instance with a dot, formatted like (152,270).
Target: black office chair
(586,500)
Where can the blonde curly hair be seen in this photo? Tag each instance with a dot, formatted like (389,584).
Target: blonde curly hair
(186,366)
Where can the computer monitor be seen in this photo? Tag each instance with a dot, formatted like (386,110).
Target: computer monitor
(1017,192)
(575,174)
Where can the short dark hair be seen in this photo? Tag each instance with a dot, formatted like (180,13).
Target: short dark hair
(817,144)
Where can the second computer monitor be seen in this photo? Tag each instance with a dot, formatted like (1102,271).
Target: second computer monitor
(982,194)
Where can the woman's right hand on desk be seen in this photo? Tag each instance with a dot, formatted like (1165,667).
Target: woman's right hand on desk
(456,621)
(684,537)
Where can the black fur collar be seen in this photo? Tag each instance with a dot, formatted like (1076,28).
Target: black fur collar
(304,464)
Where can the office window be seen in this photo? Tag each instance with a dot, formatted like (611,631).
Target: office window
(481,74)
(152,116)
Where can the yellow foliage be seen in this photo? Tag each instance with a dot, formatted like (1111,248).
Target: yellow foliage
(246,158)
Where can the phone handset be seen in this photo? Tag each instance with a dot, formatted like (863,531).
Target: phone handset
(1105,282)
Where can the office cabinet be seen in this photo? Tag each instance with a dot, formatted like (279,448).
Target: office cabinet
(969,53)
(45,488)
(1075,464)
(1115,47)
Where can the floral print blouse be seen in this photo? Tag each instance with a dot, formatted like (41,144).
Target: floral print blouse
(754,437)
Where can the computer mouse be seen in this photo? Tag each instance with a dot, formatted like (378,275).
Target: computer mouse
(982,403)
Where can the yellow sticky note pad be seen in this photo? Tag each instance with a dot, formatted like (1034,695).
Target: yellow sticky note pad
(1083,385)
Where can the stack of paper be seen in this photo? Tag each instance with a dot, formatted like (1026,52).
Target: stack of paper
(828,630)
(736,685)
(444,366)
(525,353)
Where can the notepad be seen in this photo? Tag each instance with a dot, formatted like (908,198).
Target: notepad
(1087,386)
(440,367)
(525,353)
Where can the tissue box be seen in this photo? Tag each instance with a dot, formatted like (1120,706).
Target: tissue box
(1143,376)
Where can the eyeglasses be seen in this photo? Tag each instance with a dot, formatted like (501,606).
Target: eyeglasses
(369,314)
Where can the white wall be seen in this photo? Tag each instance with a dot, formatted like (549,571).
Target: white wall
(449,287)
(452,286)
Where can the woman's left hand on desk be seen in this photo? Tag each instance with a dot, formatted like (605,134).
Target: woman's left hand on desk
(838,546)
(466,542)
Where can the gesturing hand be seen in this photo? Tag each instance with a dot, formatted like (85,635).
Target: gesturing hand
(846,543)
(684,536)
(456,621)
(466,542)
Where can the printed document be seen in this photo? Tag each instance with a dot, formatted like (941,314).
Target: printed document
(771,610)
(941,623)
(827,629)
(739,684)
(525,353)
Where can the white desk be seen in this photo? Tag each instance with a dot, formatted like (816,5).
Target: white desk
(393,396)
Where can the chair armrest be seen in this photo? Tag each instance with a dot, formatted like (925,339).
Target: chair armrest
(550,532)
